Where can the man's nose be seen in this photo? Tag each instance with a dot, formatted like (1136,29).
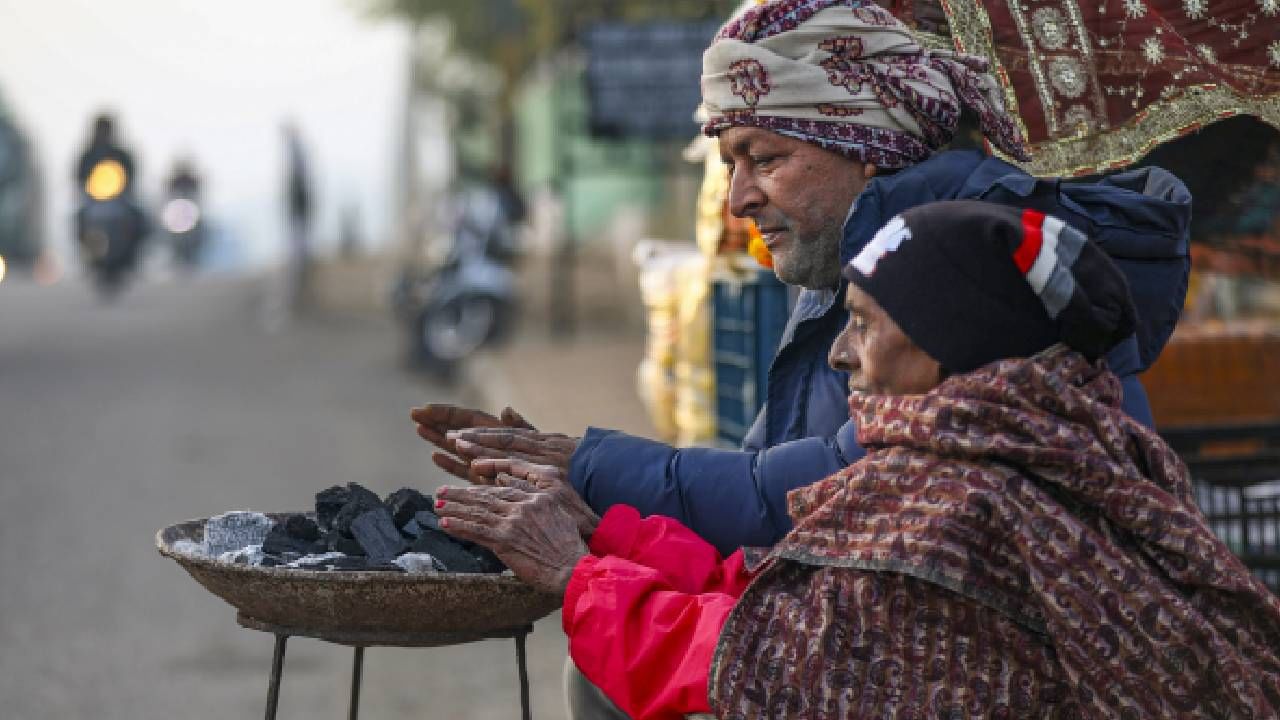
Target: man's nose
(746,199)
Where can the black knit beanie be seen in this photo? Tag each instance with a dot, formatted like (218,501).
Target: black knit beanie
(972,282)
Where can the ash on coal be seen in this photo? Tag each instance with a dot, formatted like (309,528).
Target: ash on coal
(234,530)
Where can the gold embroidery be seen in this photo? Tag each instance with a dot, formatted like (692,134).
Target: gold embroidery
(1160,122)
(1084,142)
(1037,70)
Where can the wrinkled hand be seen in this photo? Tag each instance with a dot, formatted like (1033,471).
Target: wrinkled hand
(525,444)
(529,477)
(530,532)
(436,421)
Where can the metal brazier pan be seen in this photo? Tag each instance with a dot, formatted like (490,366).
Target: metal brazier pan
(361,601)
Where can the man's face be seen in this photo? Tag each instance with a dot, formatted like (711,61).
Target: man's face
(798,195)
(878,356)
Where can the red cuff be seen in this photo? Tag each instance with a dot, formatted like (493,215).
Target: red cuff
(616,532)
(578,582)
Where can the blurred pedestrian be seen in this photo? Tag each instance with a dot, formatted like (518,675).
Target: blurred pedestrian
(299,211)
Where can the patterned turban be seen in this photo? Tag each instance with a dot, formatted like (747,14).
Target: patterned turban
(847,76)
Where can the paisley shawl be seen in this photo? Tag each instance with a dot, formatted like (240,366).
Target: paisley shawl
(1013,545)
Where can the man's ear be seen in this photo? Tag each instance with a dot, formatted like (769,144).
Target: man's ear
(869,171)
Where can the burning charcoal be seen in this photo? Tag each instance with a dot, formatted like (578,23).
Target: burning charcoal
(301,527)
(328,503)
(418,563)
(428,519)
(405,502)
(362,501)
(443,548)
(234,530)
(279,542)
(377,534)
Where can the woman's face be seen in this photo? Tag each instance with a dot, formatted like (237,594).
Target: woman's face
(878,356)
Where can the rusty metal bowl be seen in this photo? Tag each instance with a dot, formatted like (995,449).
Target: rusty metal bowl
(362,601)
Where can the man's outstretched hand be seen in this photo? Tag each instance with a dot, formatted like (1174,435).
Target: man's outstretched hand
(533,478)
(515,443)
(436,422)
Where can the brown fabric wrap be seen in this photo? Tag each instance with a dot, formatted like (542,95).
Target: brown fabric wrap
(1023,488)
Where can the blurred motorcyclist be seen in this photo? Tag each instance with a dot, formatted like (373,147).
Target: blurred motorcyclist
(110,225)
(182,215)
(184,181)
(103,145)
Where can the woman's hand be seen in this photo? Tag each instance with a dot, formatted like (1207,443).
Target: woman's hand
(437,421)
(529,477)
(530,532)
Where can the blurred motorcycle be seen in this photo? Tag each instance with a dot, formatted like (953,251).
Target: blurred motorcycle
(466,298)
(182,217)
(110,226)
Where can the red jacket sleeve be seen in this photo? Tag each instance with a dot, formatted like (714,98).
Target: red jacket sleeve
(644,612)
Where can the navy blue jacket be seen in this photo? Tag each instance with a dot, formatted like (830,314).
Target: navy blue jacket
(736,498)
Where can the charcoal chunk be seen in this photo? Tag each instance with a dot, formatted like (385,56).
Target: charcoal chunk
(279,542)
(334,542)
(419,563)
(362,564)
(411,529)
(328,503)
(301,527)
(405,503)
(348,562)
(231,531)
(428,519)
(251,555)
(489,563)
(361,502)
(451,555)
(316,562)
(377,534)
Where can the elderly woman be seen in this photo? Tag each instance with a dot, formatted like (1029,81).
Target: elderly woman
(1013,545)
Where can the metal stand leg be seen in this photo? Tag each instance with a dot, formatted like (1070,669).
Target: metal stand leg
(525,712)
(277,667)
(357,666)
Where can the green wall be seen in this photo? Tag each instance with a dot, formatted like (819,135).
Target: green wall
(600,176)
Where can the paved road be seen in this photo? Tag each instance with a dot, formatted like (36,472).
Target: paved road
(171,404)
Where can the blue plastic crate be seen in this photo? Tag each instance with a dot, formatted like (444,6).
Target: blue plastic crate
(747,319)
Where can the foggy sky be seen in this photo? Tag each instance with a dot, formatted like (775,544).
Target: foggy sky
(214,79)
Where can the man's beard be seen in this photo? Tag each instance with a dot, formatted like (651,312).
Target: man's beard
(813,263)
